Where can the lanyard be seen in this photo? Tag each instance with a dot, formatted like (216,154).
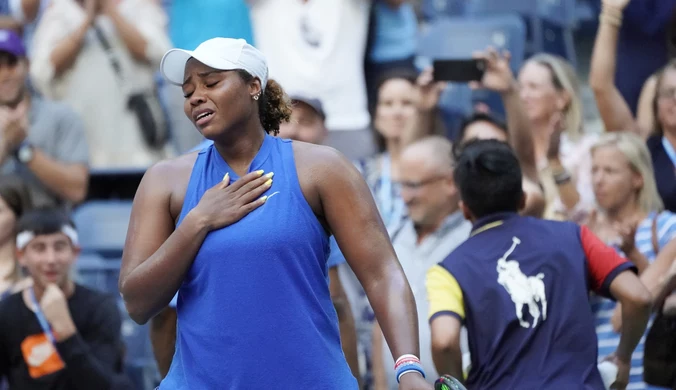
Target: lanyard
(669,149)
(44,324)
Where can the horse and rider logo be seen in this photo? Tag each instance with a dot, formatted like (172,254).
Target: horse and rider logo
(524,290)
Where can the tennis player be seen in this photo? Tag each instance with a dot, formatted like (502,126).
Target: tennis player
(241,231)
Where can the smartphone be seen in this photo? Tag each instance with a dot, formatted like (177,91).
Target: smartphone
(459,71)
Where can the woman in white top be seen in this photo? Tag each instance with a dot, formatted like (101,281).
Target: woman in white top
(69,62)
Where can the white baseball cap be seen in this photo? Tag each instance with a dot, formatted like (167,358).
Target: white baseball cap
(218,53)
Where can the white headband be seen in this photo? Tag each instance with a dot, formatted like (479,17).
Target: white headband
(23,238)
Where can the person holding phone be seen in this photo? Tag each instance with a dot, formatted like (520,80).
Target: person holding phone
(491,70)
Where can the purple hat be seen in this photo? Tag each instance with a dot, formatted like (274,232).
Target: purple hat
(11,42)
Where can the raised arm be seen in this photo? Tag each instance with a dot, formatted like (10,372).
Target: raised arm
(156,256)
(613,109)
(351,213)
(429,93)
(57,44)
(645,114)
(498,77)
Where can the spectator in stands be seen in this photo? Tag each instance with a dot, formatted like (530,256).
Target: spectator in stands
(14,201)
(404,112)
(434,227)
(100,57)
(307,125)
(393,32)
(27,13)
(615,111)
(641,50)
(7,20)
(192,22)
(645,114)
(42,141)
(320,46)
(631,219)
(57,334)
(550,94)
(498,77)
(547,267)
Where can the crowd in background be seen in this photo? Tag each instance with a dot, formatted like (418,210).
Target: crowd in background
(80,95)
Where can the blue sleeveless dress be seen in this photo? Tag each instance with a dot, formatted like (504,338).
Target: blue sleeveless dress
(254,309)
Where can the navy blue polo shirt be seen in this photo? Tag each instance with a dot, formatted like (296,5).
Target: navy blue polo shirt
(521,287)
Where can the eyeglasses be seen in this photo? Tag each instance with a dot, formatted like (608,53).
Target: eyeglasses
(416,185)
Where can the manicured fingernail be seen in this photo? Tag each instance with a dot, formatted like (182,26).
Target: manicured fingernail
(227,175)
(270,174)
(264,198)
(260,172)
(268,183)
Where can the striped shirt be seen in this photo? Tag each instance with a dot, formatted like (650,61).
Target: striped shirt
(603,308)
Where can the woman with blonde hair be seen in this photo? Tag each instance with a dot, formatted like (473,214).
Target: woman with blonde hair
(550,94)
(656,122)
(629,216)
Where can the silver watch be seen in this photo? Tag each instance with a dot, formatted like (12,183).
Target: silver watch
(25,153)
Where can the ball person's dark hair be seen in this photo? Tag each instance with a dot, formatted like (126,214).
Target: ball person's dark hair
(489,178)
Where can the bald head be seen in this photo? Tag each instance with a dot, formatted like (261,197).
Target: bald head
(435,151)
(426,179)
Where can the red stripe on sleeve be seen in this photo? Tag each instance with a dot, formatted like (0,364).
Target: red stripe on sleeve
(602,260)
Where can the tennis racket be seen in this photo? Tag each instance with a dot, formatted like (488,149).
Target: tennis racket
(447,382)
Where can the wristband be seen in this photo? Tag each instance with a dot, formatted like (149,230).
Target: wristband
(408,368)
(406,364)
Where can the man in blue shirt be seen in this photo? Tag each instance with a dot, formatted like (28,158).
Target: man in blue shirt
(520,286)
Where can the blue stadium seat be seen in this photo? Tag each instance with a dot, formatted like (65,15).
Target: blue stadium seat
(526,9)
(559,19)
(96,272)
(522,7)
(102,226)
(139,360)
(432,9)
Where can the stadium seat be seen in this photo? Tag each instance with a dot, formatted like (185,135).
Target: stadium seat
(95,272)
(139,359)
(526,9)
(432,9)
(106,184)
(102,226)
(558,20)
